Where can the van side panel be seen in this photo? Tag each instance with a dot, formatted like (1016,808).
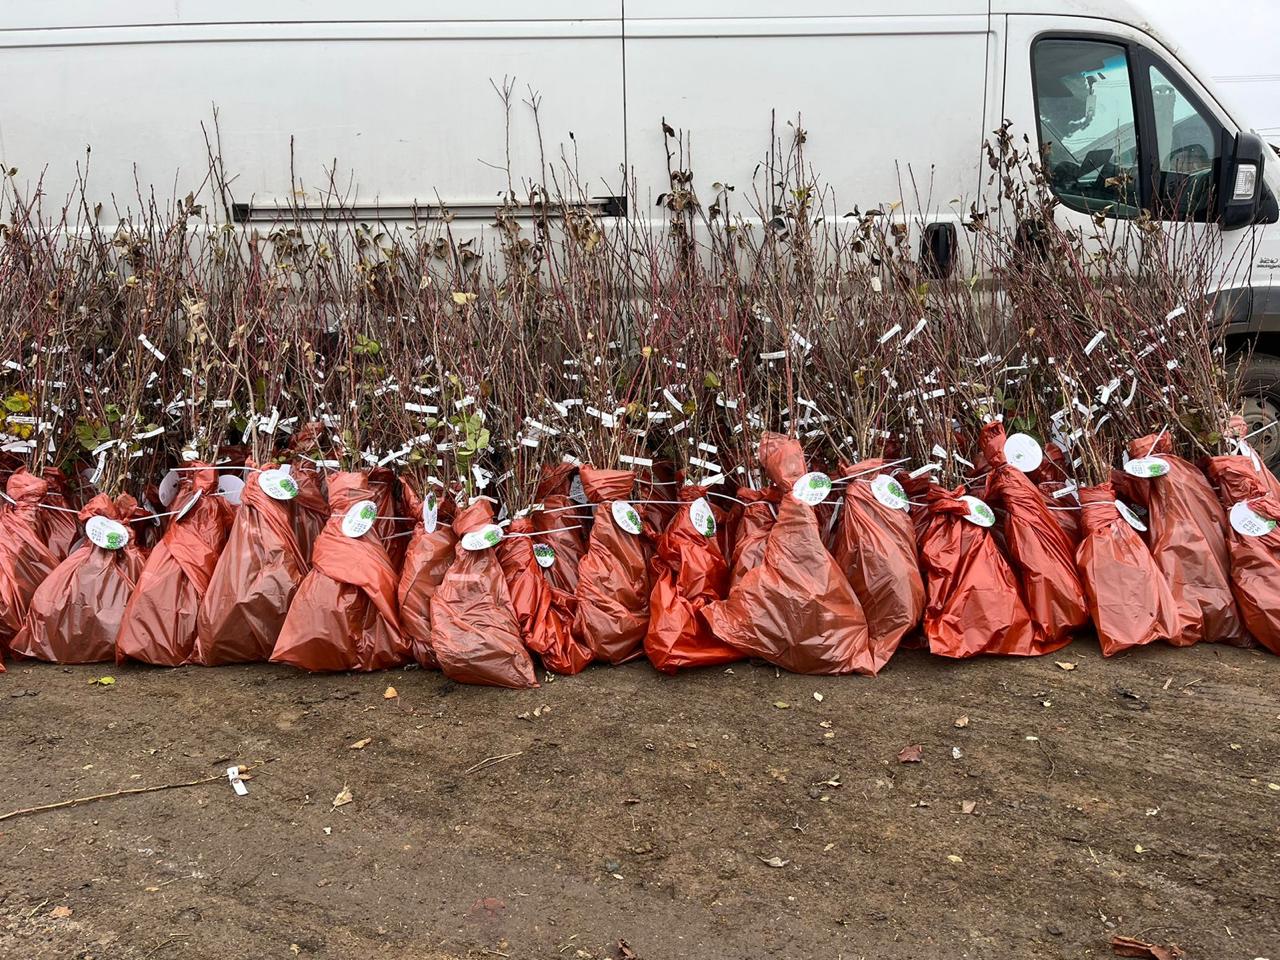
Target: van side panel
(882,99)
(400,111)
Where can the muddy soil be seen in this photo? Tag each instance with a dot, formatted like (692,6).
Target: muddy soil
(720,814)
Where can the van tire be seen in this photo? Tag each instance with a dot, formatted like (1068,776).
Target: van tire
(1260,390)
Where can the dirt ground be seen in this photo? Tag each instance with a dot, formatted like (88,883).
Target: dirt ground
(635,815)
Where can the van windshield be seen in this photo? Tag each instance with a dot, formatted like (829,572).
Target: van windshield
(1085,106)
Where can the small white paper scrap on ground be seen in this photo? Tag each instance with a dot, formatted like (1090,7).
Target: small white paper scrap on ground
(237,783)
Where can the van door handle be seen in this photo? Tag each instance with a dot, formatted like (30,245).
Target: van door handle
(938,250)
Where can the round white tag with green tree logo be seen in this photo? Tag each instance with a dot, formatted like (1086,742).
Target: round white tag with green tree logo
(490,535)
(1131,518)
(430,512)
(1147,467)
(277,484)
(700,515)
(889,493)
(106,533)
(979,513)
(545,554)
(359,519)
(1248,522)
(1023,451)
(812,488)
(626,517)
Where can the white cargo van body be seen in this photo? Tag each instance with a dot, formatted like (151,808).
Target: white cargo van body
(394,100)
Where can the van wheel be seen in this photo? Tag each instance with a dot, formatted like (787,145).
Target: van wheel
(1261,391)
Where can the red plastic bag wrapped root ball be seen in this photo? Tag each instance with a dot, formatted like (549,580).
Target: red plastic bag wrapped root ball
(343,616)
(974,606)
(1129,600)
(252,585)
(1188,538)
(25,557)
(759,511)
(475,635)
(1251,498)
(58,526)
(613,575)
(75,613)
(428,557)
(796,609)
(876,548)
(545,613)
(689,572)
(160,624)
(1039,549)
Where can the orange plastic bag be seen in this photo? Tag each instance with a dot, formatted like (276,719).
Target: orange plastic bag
(545,613)
(159,625)
(974,604)
(25,558)
(1039,549)
(561,526)
(1254,542)
(310,507)
(58,527)
(760,509)
(1188,539)
(254,581)
(75,613)
(613,576)
(429,555)
(474,632)
(1129,600)
(875,547)
(343,616)
(689,572)
(796,608)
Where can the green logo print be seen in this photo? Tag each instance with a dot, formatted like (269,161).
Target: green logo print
(367,512)
(1154,470)
(983,511)
(491,537)
(895,489)
(289,487)
(115,541)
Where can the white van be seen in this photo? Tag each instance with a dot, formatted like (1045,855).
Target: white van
(396,99)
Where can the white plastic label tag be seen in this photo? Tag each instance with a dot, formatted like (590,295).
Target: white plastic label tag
(359,519)
(1244,450)
(168,488)
(1023,451)
(812,488)
(1130,517)
(576,493)
(625,516)
(277,484)
(430,512)
(889,493)
(490,535)
(186,507)
(106,533)
(703,520)
(231,488)
(237,784)
(545,554)
(1248,523)
(979,513)
(1146,467)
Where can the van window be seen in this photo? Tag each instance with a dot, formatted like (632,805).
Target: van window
(1084,100)
(1187,154)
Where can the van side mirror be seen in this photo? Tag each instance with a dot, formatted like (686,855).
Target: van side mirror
(1242,186)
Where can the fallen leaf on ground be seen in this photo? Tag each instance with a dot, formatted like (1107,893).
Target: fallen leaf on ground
(1065,664)
(955,753)
(1139,848)
(817,696)
(954,859)
(343,798)
(782,705)
(1133,947)
(102,681)
(1273,786)
(60,912)
(968,806)
(625,952)
(776,862)
(911,754)
(361,744)
(962,722)
(389,693)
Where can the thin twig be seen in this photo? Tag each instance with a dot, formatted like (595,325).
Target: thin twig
(490,761)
